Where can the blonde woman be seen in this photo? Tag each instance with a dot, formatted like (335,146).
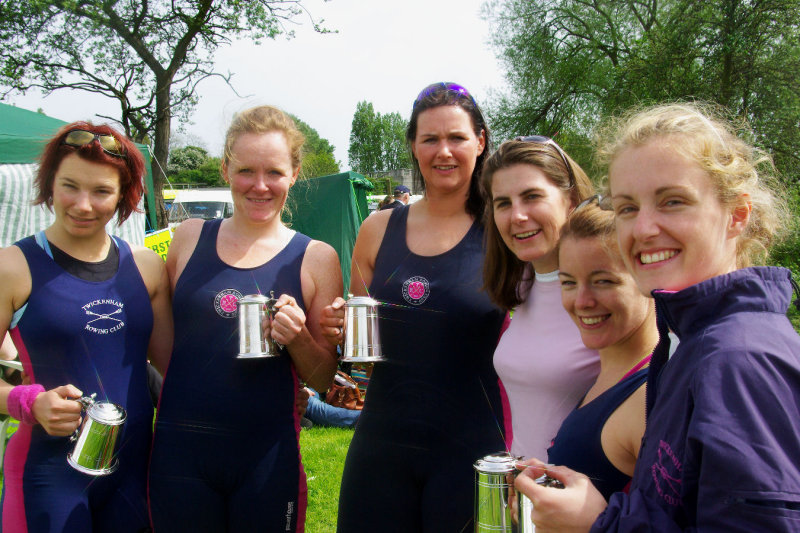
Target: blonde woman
(693,211)
(226,455)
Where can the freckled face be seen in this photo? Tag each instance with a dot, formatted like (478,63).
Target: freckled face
(599,294)
(260,174)
(446,147)
(529,212)
(673,231)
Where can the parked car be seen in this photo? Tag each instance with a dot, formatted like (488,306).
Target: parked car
(200,203)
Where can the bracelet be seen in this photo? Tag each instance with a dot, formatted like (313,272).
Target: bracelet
(20,402)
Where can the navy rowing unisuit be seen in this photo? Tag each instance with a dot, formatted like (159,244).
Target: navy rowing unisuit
(225,453)
(578,444)
(434,406)
(94,335)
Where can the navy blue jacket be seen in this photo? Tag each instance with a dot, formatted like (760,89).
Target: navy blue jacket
(721,451)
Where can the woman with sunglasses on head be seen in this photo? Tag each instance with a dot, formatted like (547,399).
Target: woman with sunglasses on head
(693,210)
(85,311)
(532,186)
(226,451)
(434,405)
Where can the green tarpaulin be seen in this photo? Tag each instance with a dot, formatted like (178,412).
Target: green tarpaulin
(330,209)
(23,135)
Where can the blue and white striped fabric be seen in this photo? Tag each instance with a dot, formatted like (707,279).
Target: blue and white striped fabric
(19,218)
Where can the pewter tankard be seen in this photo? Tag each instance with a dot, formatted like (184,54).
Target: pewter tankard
(362,342)
(492,509)
(96,439)
(524,508)
(253,310)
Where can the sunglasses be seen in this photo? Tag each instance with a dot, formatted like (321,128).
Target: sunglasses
(108,143)
(541,139)
(443,86)
(603,202)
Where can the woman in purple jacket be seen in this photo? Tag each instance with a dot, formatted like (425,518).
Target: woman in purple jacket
(693,211)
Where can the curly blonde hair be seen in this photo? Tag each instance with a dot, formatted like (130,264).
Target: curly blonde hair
(700,133)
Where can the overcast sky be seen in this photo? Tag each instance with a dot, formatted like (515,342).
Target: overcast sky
(385,52)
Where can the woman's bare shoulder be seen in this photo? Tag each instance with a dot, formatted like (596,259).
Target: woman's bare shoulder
(370,234)
(187,233)
(321,252)
(11,257)
(149,263)
(15,274)
(184,241)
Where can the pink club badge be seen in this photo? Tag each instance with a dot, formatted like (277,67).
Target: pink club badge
(226,303)
(416,290)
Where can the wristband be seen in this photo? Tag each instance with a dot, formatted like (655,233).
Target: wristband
(20,402)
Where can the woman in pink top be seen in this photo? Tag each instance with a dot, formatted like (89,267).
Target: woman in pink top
(532,186)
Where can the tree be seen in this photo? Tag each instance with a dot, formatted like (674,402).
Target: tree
(149,56)
(317,164)
(318,159)
(185,158)
(569,62)
(377,142)
(394,152)
(559,58)
(365,140)
(192,164)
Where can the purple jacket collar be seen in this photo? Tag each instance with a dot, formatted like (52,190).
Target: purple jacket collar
(764,289)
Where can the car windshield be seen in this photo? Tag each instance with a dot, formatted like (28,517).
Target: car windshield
(205,210)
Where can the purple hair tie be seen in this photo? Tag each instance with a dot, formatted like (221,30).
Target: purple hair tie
(20,402)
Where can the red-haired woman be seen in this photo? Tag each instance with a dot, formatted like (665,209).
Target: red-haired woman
(85,311)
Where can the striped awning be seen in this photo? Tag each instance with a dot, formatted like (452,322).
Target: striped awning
(19,218)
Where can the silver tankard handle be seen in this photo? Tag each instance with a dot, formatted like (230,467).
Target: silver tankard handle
(86,402)
(271,312)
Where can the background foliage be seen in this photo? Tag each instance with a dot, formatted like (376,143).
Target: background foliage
(193,165)
(377,142)
(318,158)
(570,62)
(149,56)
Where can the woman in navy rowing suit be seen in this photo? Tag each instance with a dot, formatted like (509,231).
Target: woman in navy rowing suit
(602,435)
(434,406)
(226,454)
(85,311)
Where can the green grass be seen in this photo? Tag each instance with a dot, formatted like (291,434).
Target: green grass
(323,451)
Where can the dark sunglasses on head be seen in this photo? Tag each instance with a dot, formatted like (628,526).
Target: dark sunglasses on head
(603,202)
(443,86)
(108,143)
(541,139)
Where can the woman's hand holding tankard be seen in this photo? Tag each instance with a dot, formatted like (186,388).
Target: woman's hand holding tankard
(332,321)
